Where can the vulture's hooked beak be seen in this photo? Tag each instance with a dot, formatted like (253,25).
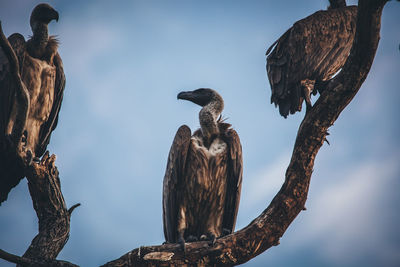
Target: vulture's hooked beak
(201,96)
(186,96)
(55,16)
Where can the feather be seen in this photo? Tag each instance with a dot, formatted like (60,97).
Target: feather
(314,48)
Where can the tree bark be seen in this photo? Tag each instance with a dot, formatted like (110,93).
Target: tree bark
(48,202)
(54,218)
(264,231)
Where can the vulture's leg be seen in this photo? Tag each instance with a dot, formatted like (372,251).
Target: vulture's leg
(29,157)
(181,228)
(181,241)
(191,238)
(209,237)
(24,138)
(320,86)
(212,239)
(226,231)
(308,87)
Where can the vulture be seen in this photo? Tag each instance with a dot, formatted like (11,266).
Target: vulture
(41,71)
(308,55)
(203,178)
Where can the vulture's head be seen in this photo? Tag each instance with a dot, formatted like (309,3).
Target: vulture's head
(43,14)
(202,96)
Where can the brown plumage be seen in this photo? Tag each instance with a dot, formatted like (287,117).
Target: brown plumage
(42,73)
(202,183)
(309,54)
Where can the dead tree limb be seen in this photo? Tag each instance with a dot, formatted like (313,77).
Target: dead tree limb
(266,230)
(33,262)
(48,202)
(54,218)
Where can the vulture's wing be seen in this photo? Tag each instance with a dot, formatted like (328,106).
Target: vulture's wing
(314,48)
(234,181)
(7,87)
(173,175)
(10,174)
(51,123)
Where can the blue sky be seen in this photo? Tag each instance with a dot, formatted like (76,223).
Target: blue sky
(125,62)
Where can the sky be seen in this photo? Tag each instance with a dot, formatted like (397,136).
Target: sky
(125,62)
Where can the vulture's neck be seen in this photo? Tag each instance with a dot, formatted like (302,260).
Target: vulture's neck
(40,36)
(208,117)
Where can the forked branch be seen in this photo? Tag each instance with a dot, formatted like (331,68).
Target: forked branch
(266,230)
(53,215)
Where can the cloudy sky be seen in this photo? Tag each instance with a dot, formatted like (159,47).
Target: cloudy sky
(125,62)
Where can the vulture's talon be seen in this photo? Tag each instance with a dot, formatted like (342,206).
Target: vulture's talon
(181,242)
(24,138)
(29,157)
(212,238)
(203,238)
(225,232)
(191,238)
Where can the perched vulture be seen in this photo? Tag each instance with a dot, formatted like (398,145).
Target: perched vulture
(41,71)
(307,55)
(203,179)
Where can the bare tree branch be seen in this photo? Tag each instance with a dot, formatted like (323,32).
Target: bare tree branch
(48,202)
(265,230)
(33,262)
(54,218)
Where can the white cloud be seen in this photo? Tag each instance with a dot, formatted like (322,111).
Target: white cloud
(265,183)
(347,217)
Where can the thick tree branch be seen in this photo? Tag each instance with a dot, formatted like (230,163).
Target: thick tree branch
(54,218)
(33,262)
(265,230)
(49,204)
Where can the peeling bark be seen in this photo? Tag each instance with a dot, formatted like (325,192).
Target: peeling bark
(54,218)
(264,231)
(49,204)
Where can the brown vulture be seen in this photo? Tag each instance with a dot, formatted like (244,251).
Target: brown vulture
(41,71)
(203,179)
(307,55)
